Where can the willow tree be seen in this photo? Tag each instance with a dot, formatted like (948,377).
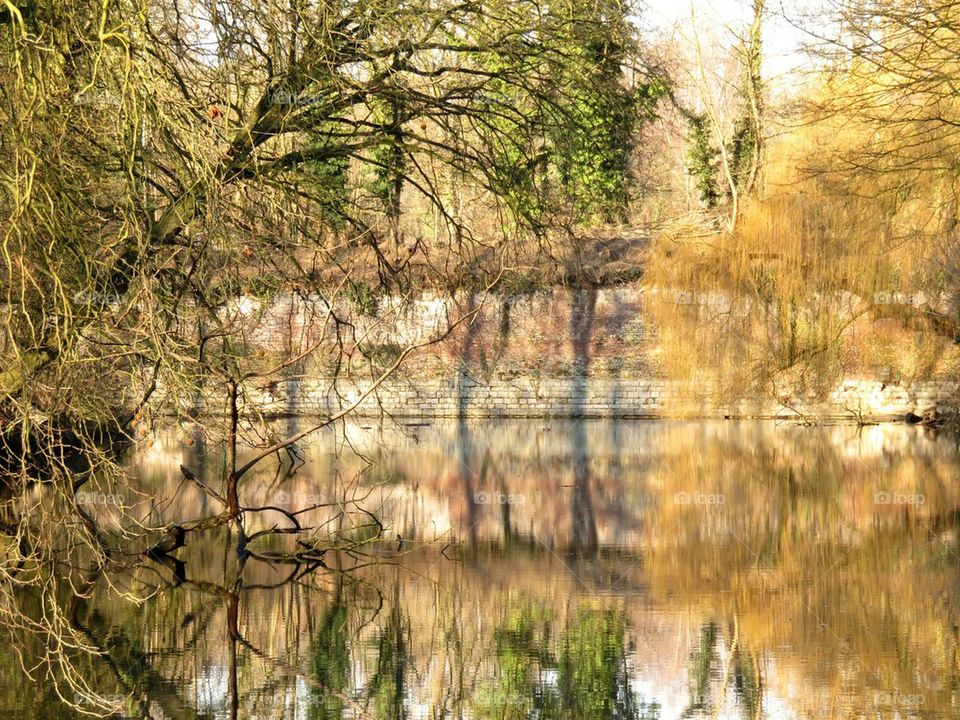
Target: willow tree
(891,108)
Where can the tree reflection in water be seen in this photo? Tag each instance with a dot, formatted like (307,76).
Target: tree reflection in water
(799,595)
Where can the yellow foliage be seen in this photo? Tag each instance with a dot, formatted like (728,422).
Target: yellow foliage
(835,268)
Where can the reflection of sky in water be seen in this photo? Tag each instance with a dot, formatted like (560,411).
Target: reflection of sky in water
(211,689)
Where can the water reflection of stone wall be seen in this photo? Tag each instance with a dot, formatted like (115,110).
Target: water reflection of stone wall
(578,485)
(589,352)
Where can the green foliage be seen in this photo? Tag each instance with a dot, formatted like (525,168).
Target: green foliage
(575,150)
(513,136)
(228,287)
(593,674)
(329,179)
(381,355)
(330,663)
(702,667)
(362,297)
(747,683)
(590,661)
(388,159)
(520,655)
(596,120)
(388,687)
(702,160)
(743,147)
(264,286)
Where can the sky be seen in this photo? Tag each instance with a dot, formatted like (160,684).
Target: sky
(783,40)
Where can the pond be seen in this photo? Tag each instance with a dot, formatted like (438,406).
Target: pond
(544,569)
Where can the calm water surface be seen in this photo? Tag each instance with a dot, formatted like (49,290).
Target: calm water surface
(552,570)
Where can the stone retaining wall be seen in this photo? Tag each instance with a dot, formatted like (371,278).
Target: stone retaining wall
(564,353)
(596,398)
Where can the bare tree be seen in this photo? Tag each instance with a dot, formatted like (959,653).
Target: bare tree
(727,116)
(162,162)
